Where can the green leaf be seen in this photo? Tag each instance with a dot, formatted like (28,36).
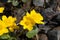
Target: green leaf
(15,3)
(32,33)
(5,36)
(12,38)
(24,1)
(9,1)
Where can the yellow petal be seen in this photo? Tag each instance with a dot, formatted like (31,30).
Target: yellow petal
(14,26)
(2,24)
(11,29)
(30,28)
(22,22)
(1,9)
(11,19)
(3,31)
(40,22)
(27,14)
(37,17)
(33,12)
(4,18)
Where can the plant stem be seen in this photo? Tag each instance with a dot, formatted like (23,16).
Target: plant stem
(37,37)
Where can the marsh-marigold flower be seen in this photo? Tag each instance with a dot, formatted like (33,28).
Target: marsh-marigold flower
(1,9)
(30,19)
(10,22)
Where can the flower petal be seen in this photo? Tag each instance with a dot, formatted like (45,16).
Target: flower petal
(4,17)
(1,9)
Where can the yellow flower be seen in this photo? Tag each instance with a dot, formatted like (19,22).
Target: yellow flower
(8,21)
(1,9)
(37,17)
(27,23)
(3,28)
(29,20)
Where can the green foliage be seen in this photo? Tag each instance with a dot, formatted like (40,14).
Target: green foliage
(5,36)
(9,1)
(12,38)
(14,2)
(25,1)
(32,33)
